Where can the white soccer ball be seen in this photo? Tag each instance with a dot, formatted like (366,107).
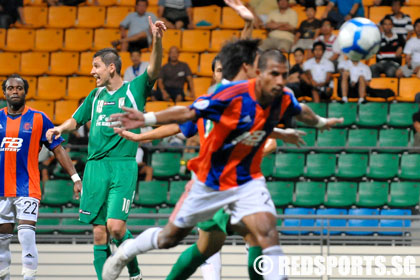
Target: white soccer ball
(359,38)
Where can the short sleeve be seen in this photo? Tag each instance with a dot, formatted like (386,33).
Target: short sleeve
(408,49)
(126,21)
(294,18)
(209,108)
(343,65)
(187,70)
(47,124)
(368,73)
(189,129)
(293,108)
(83,114)
(336,47)
(330,66)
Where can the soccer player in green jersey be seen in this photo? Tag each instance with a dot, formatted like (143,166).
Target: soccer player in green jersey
(110,175)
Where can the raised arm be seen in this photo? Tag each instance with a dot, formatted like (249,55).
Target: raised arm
(155,62)
(245,14)
(65,161)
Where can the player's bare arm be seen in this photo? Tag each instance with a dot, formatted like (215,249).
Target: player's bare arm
(245,14)
(157,133)
(65,161)
(68,125)
(310,118)
(134,119)
(157,30)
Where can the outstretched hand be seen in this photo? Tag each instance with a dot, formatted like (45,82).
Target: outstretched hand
(332,122)
(239,7)
(157,28)
(130,120)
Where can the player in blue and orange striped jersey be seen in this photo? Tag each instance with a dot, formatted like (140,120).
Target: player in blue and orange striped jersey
(228,167)
(22,134)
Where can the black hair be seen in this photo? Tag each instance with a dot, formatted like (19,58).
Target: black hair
(326,20)
(271,54)
(213,63)
(108,56)
(299,50)
(416,22)
(146,1)
(386,18)
(310,6)
(319,43)
(16,76)
(236,53)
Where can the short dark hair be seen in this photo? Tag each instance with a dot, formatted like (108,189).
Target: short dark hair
(319,43)
(213,63)
(398,1)
(271,54)
(299,50)
(146,1)
(108,56)
(326,20)
(16,76)
(236,53)
(386,18)
(310,6)
(416,22)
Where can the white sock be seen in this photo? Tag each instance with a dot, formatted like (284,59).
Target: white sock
(146,241)
(361,99)
(344,99)
(273,253)
(26,235)
(212,267)
(5,256)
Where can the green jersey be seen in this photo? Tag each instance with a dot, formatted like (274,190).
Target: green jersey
(100,105)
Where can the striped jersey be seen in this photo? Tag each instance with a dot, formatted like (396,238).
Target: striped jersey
(402,25)
(22,137)
(231,153)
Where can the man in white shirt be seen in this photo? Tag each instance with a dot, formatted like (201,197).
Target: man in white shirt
(137,68)
(412,51)
(355,78)
(319,72)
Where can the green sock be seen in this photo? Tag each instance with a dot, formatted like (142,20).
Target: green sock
(253,254)
(100,254)
(187,264)
(133,266)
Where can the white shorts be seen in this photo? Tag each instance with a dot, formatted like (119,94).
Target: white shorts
(203,202)
(18,208)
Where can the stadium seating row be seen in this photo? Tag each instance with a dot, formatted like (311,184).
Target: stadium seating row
(82,39)
(284,193)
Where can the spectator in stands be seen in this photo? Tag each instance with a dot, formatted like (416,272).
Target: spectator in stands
(346,9)
(319,72)
(144,170)
(176,14)
(308,30)
(388,59)
(402,22)
(135,33)
(412,52)
(64,2)
(382,2)
(355,78)
(281,23)
(332,50)
(10,12)
(173,77)
(261,9)
(297,80)
(137,68)
(416,123)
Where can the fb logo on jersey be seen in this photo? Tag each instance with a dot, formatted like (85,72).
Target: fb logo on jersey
(10,144)
(250,138)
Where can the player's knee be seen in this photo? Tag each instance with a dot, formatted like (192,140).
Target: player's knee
(116,231)
(100,235)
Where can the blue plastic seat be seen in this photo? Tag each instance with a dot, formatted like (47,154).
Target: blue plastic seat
(330,222)
(363,222)
(400,224)
(298,222)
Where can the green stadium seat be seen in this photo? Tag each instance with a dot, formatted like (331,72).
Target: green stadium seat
(166,164)
(346,110)
(372,194)
(318,108)
(362,138)
(71,222)
(281,192)
(410,166)
(267,165)
(383,166)
(309,139)
(400,114)
(404,194)
(320,165)
(188,156)
(57,192)
(393,138)
(309,194)
(352,165)
(279,212)
(332,138)
(289,165)
(47,221)
(372,114)
(151,193)
(168,210)
(132,222)
(176,189)
(341,194)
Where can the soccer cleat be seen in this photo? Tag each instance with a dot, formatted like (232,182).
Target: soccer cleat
(114,265)
(137,277)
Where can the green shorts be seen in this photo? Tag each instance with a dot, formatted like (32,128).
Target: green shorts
(219,222)
(109,186)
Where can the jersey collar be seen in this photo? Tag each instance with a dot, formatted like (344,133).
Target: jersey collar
(23,112)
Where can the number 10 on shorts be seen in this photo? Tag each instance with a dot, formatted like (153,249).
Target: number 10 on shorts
(126,205)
